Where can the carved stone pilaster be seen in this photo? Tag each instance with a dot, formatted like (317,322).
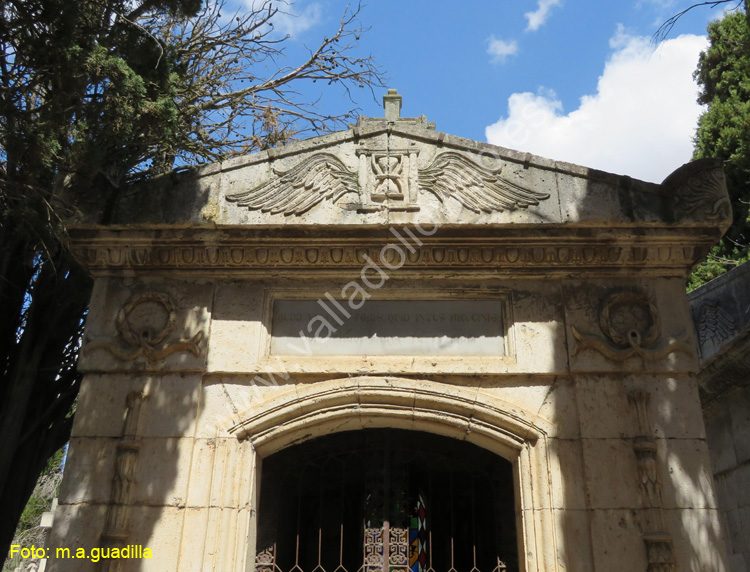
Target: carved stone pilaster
(658,542)
(115,534)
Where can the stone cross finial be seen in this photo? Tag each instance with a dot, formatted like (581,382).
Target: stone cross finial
(392,104)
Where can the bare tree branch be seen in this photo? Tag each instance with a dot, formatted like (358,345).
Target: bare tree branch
(666,28)
(231,101)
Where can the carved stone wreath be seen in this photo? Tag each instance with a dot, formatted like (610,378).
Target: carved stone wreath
(623,332)
(143,340)
(631,326)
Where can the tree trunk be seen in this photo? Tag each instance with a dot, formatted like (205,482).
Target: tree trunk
(40,382)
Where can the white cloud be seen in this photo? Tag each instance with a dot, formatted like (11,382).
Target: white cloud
(287,21)
(294,24)
(538,17)
(640,122)
(500,50)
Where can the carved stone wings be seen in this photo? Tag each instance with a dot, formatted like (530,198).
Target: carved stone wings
(296,191)
(325,177)
(715,323)
(476,188)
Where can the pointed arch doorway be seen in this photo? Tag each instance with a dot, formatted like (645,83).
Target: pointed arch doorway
(386,500)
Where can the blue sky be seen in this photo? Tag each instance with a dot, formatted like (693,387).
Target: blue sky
(571,80)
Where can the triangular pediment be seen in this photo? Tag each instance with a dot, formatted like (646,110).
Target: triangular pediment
(374,171)
(404,172)
(397,172)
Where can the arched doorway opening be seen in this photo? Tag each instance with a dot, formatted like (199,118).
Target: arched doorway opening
(386,500)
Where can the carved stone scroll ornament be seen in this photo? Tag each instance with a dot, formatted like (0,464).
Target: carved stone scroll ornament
(704,198)
(324,177)
(699,192)
(141,339)
(631,327)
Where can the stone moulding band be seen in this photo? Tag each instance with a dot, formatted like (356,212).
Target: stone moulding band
(385,402)
(469,255)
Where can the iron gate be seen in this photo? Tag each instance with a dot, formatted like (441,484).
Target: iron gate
(386,501)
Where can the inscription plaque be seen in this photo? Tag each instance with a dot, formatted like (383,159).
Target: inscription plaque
(388,327)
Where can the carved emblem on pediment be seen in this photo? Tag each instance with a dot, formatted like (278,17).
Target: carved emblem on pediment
(145,324)
(631,326)
(387,179)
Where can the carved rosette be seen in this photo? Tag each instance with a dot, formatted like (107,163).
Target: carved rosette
(631,326)
(658,543)
(138,337)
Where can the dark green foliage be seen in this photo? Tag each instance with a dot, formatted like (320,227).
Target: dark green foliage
(41,500)
(724,131)
(29,533)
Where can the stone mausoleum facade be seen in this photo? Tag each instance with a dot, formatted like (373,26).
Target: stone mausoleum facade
(393,349)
